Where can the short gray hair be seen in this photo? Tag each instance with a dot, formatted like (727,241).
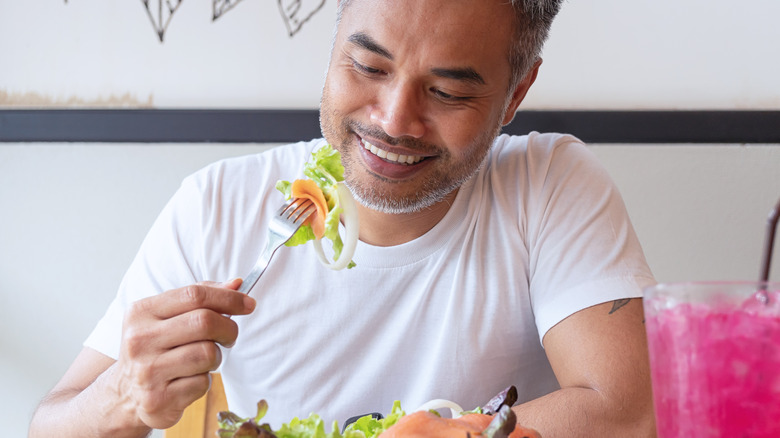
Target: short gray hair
(533,19)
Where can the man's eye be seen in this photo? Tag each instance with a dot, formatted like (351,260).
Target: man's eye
(365,69)
(447,96)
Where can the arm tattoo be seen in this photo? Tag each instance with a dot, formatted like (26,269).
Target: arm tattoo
(617,304)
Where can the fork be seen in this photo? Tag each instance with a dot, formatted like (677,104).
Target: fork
(287,220)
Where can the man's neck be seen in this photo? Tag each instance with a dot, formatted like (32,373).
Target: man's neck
(383,229)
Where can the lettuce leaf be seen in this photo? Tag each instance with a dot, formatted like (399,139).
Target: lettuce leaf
(326,170)
(370,427)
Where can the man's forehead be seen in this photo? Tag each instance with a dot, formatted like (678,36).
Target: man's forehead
(464,14)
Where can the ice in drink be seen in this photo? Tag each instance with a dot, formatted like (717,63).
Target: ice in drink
(715,359)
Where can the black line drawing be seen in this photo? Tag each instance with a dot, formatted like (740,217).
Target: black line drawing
(298,12)
(222,6)
(294,12)
(164,10)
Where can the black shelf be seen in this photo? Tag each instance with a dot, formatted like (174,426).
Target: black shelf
(280,126)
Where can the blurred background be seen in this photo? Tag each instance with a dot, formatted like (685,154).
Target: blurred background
(72,215)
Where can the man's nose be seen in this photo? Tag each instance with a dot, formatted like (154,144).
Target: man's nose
(399,111)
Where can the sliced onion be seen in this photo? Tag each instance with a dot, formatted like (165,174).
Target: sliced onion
(351,231)
(435,405)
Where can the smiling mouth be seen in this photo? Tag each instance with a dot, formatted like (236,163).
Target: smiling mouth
(391,156)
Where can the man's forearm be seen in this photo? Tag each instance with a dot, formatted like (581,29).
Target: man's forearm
(97,411)
(584,412)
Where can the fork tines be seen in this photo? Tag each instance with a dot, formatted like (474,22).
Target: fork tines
(297,208)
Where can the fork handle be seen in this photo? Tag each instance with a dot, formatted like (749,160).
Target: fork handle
(259,268)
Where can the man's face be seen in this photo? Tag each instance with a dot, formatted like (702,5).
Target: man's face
(415,93)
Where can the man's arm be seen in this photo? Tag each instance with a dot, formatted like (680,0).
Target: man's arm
(169,346)
(85,402)
(599,356)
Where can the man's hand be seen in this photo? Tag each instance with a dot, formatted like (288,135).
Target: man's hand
(169,346)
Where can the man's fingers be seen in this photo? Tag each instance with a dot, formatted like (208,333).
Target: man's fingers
(188,360)
(197,325)
(233,284)
(152,375)
(212,296)
(190,388)
(164,410)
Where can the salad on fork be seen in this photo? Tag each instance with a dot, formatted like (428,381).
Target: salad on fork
(326,189)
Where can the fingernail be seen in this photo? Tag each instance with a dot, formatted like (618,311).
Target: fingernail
(249,303)
(232,282)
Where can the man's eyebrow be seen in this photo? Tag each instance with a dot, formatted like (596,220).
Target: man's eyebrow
(363,40)
(467,74)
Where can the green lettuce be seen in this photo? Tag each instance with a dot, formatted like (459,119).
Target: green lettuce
(370,427)
(326,170)
(232,426)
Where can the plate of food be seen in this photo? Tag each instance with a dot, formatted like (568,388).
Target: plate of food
(493,420)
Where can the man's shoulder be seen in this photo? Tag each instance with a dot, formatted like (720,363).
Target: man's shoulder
(536,149)
(536,141)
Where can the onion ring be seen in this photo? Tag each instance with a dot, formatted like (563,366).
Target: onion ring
(351,231)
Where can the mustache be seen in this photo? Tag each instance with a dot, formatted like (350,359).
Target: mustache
(365,130)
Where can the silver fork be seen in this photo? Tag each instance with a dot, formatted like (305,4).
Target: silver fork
(284,224)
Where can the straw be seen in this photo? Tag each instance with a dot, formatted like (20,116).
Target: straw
(769,241)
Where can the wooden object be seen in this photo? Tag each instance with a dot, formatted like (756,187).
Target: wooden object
(200,418)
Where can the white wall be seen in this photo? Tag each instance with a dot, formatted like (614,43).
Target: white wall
(667,54)
(73,216)
(700,210)
(604,54)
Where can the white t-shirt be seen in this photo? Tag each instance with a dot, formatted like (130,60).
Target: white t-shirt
(539,233)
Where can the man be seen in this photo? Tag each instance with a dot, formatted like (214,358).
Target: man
(482,261)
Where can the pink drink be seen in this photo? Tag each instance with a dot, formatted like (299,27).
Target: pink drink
(715,359)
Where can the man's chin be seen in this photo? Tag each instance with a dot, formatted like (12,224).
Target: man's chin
(381,202)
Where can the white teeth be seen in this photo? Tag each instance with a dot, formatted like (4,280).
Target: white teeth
(391,156)
(378,152)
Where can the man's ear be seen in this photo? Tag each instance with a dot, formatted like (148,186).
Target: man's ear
(520,91)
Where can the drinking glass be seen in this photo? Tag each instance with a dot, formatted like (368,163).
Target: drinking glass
(715,358)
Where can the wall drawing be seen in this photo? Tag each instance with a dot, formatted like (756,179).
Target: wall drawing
(298,12)
(295,13)
(219,7)
(161,15)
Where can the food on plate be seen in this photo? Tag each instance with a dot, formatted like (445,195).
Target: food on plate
(426,424)
(325,188)
(494,420)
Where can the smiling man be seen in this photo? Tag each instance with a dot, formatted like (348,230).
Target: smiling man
(484,260)
(414,96)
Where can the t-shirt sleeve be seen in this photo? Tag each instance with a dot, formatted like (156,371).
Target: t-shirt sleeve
(167,259)
(582,246)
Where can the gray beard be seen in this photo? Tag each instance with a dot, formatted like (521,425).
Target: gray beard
(430,196)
